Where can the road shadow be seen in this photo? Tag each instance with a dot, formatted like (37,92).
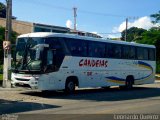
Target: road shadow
(9,107)
(112,94)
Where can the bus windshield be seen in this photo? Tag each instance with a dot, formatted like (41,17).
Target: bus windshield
(29,52)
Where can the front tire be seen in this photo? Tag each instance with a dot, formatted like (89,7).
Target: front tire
(70,87)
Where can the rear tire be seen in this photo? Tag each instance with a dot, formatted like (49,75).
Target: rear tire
(70,87)
(106,88)
(129,82)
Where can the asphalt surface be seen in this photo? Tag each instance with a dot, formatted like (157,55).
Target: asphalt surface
(144,99)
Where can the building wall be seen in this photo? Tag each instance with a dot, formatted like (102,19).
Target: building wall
(20,27)
(50,28)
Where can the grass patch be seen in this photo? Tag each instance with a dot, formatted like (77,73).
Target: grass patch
(157,77)
(1,77)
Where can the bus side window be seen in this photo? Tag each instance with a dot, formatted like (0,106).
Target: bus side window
(139,54)
(77,47)
(55,54)
(96,49)
(49,57)
(132,52)
(117,51)
(49,61)
(145,54)
(110,51)
(151,54)
(125,52)
(142,53)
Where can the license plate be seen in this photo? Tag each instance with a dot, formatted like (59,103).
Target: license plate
(21,83)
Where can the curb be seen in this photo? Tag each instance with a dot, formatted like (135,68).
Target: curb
(157,81)
(11,89)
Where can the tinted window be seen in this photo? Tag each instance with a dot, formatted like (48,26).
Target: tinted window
(142,53)
(96,49)
(39,29)
(54,44)
(113,51)
(77,47)
(55,54)
(125,52)
(139,53)
(145,53)
(117,51)
(132,53)
(109,51)
(151,54)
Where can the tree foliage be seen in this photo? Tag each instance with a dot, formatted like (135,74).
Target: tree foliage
(2,10)
(2,37)
(133,34)
(151,36)
(2,33)
(156,17)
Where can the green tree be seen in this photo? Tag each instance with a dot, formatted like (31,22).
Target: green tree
(2,37)
(156,31)
(152,37)
(156,17)
(2,10)
(133,34)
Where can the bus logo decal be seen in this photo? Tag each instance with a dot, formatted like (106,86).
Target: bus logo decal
(138,80)
(145,65)
(93,63)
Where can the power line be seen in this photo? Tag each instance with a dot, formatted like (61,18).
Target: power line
(80,11)
(48,5)
(101,14)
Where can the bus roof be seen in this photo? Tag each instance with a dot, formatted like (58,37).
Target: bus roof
(67,35)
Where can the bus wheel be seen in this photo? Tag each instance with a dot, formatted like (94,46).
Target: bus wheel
(70,87)
(129,82)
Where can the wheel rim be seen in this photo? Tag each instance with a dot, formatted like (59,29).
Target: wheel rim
(129,84)
(70,86)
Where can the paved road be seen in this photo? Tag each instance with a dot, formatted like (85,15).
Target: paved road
(142,99)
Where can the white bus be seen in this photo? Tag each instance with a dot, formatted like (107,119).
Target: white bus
(57,61)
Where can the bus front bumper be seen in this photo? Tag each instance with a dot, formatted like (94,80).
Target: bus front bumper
(23,80)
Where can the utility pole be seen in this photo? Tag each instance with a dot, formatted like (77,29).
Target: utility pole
(75,18)
(7,45)
(126,29)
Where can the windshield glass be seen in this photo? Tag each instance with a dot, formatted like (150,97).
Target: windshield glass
(29,53)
